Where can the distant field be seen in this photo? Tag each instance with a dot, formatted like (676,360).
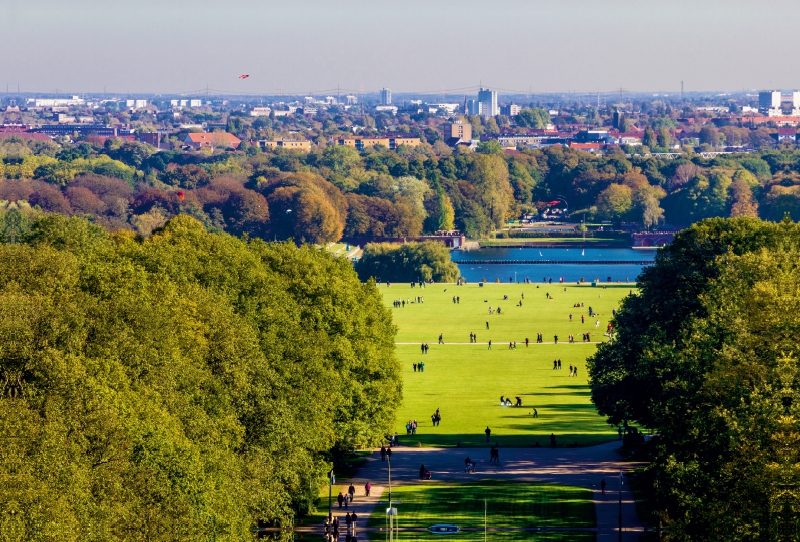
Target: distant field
(465,381)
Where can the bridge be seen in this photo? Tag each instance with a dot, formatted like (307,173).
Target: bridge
(554,262)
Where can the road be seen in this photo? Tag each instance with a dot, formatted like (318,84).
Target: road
(581,467)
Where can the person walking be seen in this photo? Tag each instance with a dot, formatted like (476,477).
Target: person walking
(349,522)
(490,344)
(354,518)
(535,413)
(488,434)
(383,453)
(552,440)
(603,486)
(441,340)
(352,491)
(367,489)
(340,499)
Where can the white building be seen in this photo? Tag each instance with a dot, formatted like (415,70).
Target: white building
(351,99)
(260,112)
(488,103)
(769,101)
(195,103)
(386,96)
(56,102)
(136,104)
(387,109)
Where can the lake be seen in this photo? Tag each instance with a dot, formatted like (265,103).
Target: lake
(570,272)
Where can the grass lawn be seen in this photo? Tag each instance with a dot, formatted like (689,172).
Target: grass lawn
(465,381)
(477,536)
(508,504)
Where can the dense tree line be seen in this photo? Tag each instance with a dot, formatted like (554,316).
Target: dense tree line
(409,262)
(335,191)
(181,387)
(706,355)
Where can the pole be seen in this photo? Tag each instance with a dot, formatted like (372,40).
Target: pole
(391,515)
(620,506)
(484,520)
(330,494)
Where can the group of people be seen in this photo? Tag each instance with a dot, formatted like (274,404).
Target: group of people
(332,527)
(573,371)
(420,366)
(411,427)
(494,454)
(506,401)
(436,418)
(344,498)
(456,299)
(473,338)
(387,452)
(424,346)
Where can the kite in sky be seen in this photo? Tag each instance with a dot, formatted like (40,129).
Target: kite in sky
(244,76)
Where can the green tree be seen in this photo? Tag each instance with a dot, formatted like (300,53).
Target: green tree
(535,118)
(664,139)
(615,202)
(488,176)
(649,138)
(702,356)
(407,262)
(179,387)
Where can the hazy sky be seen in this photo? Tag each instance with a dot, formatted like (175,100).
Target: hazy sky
(179,46)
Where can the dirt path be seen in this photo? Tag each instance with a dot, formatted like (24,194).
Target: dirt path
(582,467)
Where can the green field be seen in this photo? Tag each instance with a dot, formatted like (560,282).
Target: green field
(465,380)
(508,504)
(478,536)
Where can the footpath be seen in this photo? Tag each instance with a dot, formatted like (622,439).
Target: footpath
(581,467)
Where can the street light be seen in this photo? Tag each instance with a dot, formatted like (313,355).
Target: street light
(331,481)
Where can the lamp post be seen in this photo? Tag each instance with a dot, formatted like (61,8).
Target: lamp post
(331,481)
(390,511)
(620,505)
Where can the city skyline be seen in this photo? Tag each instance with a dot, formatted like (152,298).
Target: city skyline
(314,47)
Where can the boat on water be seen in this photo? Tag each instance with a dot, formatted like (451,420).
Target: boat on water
(444,528)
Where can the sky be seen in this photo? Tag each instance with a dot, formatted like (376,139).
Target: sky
(317,46)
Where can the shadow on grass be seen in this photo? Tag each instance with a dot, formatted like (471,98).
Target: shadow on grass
(540,435)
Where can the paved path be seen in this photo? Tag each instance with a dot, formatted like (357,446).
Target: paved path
(582,467)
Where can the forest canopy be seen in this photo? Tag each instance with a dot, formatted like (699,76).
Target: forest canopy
(179,387)
(706,356)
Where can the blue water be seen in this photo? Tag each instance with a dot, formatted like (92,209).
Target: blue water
(536,273)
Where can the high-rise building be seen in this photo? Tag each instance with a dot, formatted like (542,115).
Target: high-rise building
(351,99)
(769,100)
(473,107)
(488,103)
(386,96)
